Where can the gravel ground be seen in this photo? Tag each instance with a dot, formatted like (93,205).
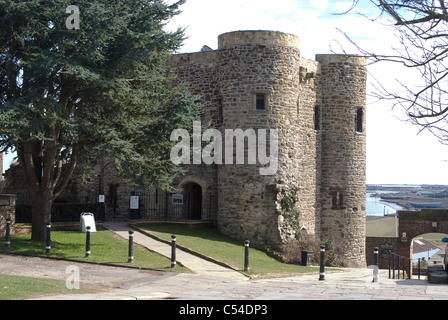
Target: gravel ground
(103,278)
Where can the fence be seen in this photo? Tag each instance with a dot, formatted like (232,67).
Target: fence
(397,263)
(152,205)
(65,208)
(158,205)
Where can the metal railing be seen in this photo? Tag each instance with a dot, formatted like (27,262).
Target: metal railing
(397,263)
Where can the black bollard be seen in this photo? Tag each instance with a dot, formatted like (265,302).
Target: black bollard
(375,262)
(173,251)
(393,266)
(88,242)
(419,268)
(131,247)
(8,233)
(48,240)
(322,263)
(246,255)
(390,262)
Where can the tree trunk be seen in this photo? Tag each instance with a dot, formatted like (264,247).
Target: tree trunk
(41,214)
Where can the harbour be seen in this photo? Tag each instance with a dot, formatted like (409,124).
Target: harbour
(387,199)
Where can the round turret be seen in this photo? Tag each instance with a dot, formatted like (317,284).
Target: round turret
(259,80)
(343,155)
(260,37)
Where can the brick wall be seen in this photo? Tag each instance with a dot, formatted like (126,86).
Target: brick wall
(384,244)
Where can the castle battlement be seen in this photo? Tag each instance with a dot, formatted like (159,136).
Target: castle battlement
(258,37)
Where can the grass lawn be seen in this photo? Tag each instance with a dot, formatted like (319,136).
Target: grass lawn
(213,244)
(105,246)
(383,227)
(18,288)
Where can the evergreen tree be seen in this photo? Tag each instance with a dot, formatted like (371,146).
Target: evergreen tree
(88,81)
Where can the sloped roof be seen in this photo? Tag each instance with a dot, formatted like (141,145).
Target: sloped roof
(421,245)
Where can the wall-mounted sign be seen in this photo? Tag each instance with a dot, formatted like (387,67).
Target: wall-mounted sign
(178,198)
(134,202)
(385,248)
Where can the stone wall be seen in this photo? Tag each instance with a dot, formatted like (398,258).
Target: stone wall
(248,205)
(7,210)
(343,89)
(314,166)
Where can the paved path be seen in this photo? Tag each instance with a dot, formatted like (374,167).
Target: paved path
(192,262)
(213,282)
(130,284)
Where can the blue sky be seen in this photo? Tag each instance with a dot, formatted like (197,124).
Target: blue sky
(395,153)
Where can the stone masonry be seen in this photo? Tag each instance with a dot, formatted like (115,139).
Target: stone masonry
(318,110)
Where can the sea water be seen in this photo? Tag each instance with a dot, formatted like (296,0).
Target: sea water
(376,207)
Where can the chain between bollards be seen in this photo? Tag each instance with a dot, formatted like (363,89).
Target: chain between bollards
(322,263)
(131,246)
(48,239)
(173,251)
(88,242)
(8,233)
(246,255)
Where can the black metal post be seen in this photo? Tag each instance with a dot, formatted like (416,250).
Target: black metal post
(375,262)
(322,263)
(393,267)
(131,246)
(399,267)
(173,251)
(88,242)
(419,268)
(48,240)
(410,268)
(404,268)
(390,263)
(246,255)
(8,233)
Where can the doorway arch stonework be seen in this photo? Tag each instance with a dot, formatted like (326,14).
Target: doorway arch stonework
(415,223)
(194,189)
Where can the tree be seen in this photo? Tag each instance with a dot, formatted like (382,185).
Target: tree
(422,45)
(84,82)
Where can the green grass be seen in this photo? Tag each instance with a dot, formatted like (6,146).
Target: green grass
(106,247)
(384,227)
(215,245)
(19,288)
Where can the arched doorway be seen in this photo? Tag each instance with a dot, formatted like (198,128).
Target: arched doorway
(429,248)
(194,201)
(415,223)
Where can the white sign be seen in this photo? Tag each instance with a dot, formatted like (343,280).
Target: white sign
(178,198)
(101,198)
(134,202)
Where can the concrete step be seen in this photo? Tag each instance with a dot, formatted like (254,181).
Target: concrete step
(437,274)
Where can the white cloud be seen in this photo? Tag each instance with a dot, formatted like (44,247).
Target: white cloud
(319,4)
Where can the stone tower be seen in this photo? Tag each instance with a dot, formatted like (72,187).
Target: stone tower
(258,77)
(343,91)
(256,80)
